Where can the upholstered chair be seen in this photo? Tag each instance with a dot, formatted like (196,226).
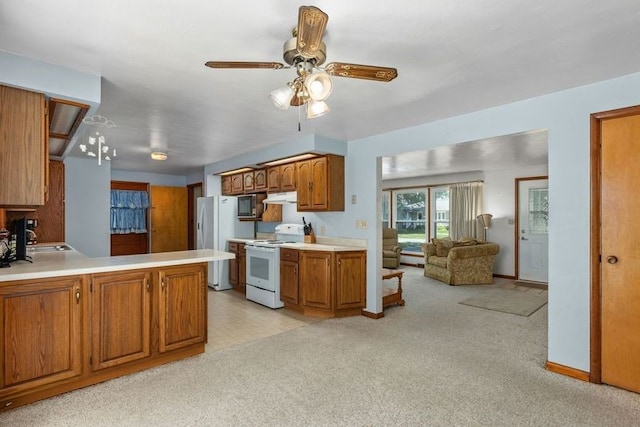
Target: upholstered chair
(390,249)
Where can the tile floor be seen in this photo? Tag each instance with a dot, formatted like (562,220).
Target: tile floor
(234,320)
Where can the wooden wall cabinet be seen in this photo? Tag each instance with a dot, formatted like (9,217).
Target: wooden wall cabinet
(320,183)
(24,152)
(322,283)
(237,185)
(56,339)
(281,178)
(260,180)
(225,185)
(248,182)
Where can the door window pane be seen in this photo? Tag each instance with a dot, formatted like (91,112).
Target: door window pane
(440,212)
(538,210)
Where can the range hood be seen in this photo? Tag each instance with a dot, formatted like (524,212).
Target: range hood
(281,198)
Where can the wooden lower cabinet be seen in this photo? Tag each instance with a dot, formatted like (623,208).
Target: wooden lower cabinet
(41,334)
(182,307)
(61,334)
(120,318)
(324,283)
(238,267)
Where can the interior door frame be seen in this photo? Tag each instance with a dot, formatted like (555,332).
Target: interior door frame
(516,234)
(595,240)
(191,211)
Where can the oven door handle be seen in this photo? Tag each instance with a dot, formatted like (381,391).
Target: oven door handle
(259,249)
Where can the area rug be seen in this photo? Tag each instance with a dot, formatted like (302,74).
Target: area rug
(507,301)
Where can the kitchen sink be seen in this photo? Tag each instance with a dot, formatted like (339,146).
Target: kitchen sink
(49,248)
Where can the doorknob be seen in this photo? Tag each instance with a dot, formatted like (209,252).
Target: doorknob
(524,238)
(612,259)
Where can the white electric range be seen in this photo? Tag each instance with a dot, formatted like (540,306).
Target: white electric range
(263,265)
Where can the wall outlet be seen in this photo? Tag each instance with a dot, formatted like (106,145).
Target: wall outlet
(354,199)
(361,224)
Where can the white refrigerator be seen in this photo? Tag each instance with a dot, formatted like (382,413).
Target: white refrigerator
(218,222)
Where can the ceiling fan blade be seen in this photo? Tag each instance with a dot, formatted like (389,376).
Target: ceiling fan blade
(239,64)
(358,71)
(311,25)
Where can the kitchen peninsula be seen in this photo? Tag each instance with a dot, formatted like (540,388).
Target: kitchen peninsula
(69,321)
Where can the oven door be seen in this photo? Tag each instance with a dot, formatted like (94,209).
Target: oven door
(261,267)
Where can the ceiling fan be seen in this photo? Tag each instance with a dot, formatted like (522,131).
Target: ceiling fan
(307,52)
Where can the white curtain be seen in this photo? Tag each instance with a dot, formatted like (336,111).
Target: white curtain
(465,204)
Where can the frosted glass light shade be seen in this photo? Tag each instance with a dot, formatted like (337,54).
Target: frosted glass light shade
(316,109)
(318,85)
(282,96)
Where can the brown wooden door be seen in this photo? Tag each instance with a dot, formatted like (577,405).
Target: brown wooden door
(226,185)
(260,180)
(248,181)
(620,270)
(237,186)
(273,179)
(315,279)
(41,332)
(168,219)
(183,307)
(319,180)
(120,318)
(289,279)
(351,280)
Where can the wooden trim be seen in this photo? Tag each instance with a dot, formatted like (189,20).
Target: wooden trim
(595,238)
(191,210)
(516,236)
(129,185)
(371,315)
(567,371)
(505,276)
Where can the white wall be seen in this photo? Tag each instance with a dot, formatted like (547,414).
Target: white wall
(151,178)
(87,206)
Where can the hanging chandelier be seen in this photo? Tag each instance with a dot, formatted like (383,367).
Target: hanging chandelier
(97,146)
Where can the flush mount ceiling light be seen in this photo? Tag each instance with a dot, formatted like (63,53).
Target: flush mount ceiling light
(158,155)
(307,52)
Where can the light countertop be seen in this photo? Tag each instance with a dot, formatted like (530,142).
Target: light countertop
(72,262)
(326,246)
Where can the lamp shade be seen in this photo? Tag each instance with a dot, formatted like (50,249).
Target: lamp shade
(318,85)
(316,109)
(485,220)
(282,96)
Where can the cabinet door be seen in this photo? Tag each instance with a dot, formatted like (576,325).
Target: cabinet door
(237,186)
(288,177)
(351,280)
(120,318)
(41,333)
(24,156)
(273,179)
(260,180)
(247,181)
(315,279)
(233,264)
(225,185)
(303,181)
(182,307)
(319,189)
(289,282)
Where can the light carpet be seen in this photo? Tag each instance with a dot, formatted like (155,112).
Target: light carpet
(433,362)
(507,301)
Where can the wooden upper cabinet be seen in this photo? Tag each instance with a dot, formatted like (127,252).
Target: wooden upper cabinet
(281,178)
(248,181)
(225,185)
(24,156)
(320,183)
(42,333)
(260,180)
(237,185)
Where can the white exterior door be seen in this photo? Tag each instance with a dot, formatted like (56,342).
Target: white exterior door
(533,234)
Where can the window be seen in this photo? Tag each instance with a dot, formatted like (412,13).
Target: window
(410,208)
(439,212)
(385,200)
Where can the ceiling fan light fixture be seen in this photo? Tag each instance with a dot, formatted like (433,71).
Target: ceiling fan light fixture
(319,85)
(282,96)
(316,109)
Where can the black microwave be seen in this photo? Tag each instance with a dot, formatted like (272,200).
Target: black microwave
(250,206)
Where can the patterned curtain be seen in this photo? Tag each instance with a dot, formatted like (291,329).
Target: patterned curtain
(465,204)
(129,211)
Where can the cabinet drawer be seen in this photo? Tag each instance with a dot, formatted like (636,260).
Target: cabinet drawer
(233,247)
(287,254)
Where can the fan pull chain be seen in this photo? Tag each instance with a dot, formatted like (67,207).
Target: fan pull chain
(299,108)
